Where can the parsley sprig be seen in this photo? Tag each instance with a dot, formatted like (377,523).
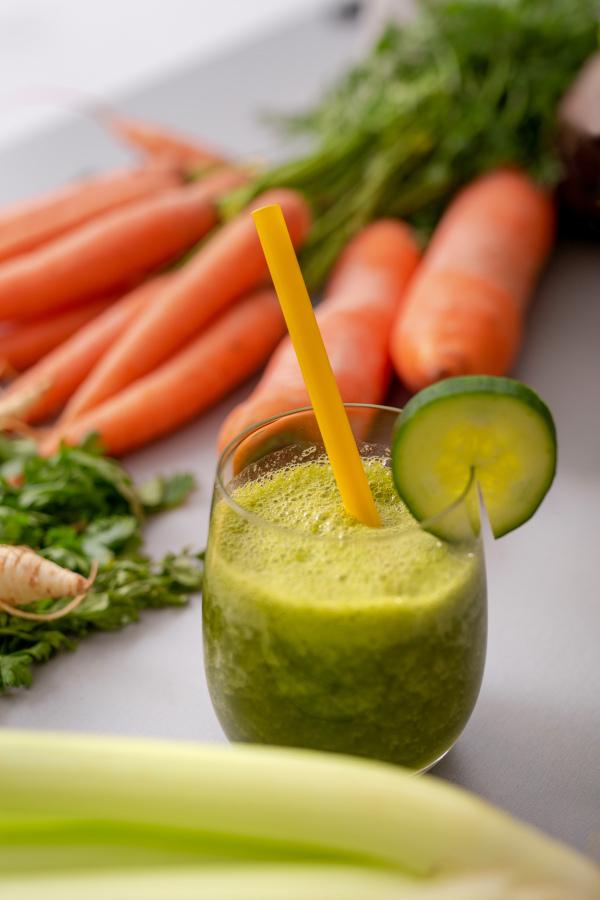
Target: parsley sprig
(72,508)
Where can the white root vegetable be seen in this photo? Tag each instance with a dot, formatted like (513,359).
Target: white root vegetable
(26,577)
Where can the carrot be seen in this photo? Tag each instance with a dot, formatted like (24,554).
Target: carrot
(355,317)
(26,577)
(48,385)
(230,264)
(29,223)
(7,373)
(157,141)
(465,308)
(115,250)
(225,354)
(27,342)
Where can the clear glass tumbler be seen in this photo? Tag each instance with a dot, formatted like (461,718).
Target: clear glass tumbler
(362,641)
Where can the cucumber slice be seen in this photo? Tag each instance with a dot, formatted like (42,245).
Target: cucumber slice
(496,431)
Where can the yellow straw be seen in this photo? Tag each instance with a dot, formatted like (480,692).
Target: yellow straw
(315,366)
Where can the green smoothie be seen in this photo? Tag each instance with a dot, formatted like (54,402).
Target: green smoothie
(321,632)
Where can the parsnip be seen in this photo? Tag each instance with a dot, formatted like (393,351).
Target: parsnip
(26,577)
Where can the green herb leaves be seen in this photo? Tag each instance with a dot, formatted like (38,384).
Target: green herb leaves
(75,507)
(159,493)
(468,86)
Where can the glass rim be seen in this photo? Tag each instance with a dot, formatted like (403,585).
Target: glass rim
(371,534)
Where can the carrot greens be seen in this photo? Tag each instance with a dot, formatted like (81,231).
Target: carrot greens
(72,508)
(469,85)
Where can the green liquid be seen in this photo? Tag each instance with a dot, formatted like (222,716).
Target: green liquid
(320,632)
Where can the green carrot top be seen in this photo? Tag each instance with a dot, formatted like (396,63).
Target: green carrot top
(469,85)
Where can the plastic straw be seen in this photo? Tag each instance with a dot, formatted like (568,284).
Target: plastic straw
(315,366)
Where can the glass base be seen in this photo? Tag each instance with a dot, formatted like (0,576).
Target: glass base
(412,772)
(434,763)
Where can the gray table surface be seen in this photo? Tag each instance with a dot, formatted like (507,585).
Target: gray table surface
(533,743)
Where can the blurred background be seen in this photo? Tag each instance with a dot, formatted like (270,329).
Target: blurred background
(114,47)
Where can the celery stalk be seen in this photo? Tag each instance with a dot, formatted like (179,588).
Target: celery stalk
(371,812)
(259,882)
(29,844)
(273,882)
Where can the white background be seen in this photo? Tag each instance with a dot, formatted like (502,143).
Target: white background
(105,47)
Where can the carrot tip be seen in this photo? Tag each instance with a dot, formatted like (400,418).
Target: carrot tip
(450,366)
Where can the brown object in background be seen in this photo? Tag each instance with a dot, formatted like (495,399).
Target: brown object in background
(579,142)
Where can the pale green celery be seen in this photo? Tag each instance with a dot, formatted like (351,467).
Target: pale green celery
(321,803)
(262,882)
(42,844)
(273,882)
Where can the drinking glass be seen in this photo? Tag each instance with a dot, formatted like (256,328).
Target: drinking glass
(369,643)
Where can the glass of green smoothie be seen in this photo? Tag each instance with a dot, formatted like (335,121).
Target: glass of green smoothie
(321,632)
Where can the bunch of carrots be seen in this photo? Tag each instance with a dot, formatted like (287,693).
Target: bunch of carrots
(106,334)
(102,329)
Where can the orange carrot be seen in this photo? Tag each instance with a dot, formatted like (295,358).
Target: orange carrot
(27,224)
(355,317)
(7,373)
(225,354)
(50,383)
(24,343)
(465,308)
(230,264)
(115,250)
(157,141)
